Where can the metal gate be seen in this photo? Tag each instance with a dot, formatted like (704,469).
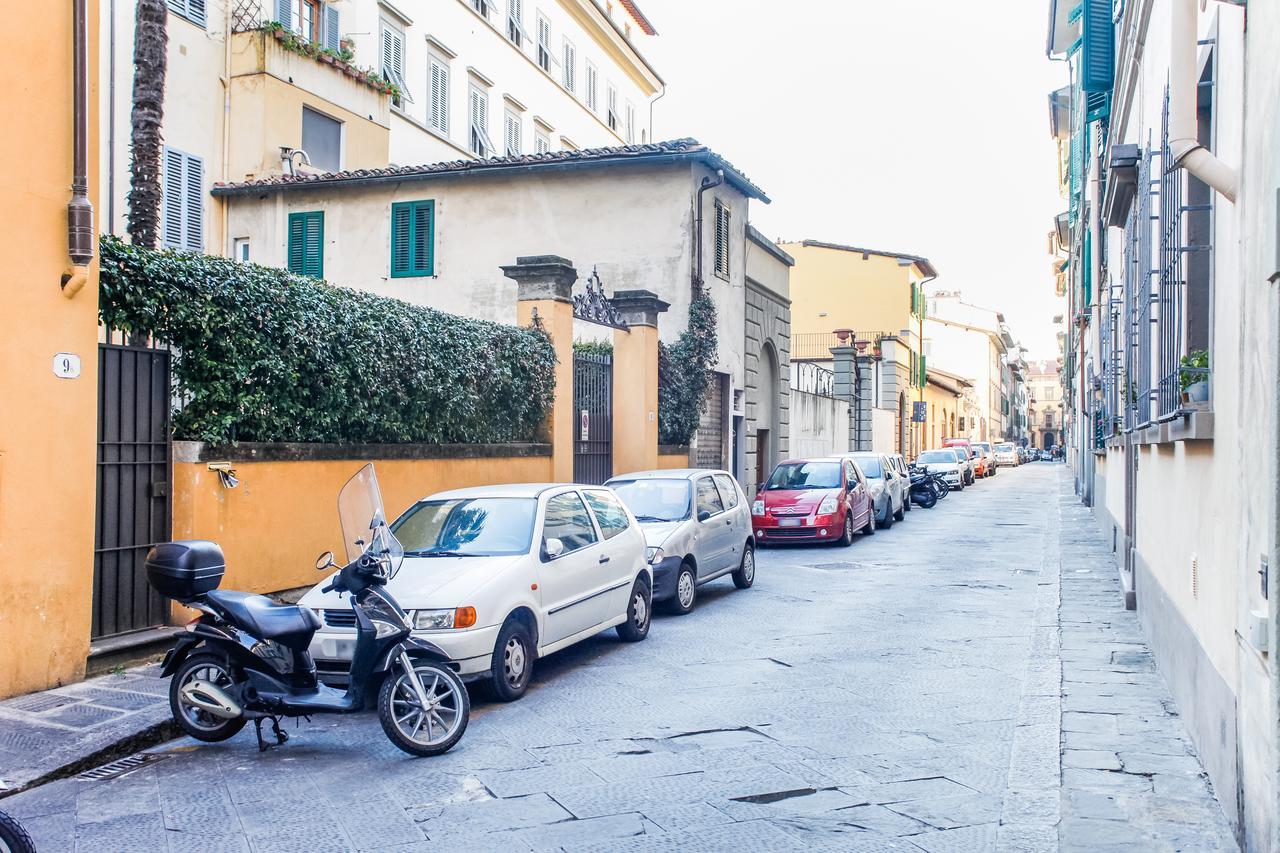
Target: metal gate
(134,481)
(593,408)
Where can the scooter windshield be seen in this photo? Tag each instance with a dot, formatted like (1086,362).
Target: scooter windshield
(364,521)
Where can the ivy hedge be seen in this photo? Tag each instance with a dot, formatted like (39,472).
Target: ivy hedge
(684,373)
(261,354)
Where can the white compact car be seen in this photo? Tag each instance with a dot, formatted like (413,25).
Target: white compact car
(946,463)
(498,576)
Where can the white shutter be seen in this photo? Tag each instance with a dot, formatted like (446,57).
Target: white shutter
(570,65)
(284,13)
(440,97)
(171,206)
(193,236)
(332,29)
(386,52)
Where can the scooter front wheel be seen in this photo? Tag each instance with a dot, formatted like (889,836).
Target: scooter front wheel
(426,723)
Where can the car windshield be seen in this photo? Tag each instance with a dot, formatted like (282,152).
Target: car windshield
(804,475)
(870,466)
(932,457)
(1004,448)
(467,527)
(985,448)
(655,500)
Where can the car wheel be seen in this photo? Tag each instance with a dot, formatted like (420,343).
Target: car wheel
(906,502)
(636,628)
(898,516)
(870,528)
(846,535)
(887,522)
(512,662)
(745,576)
(686,590)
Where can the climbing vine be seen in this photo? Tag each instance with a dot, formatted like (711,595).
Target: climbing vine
(684,373)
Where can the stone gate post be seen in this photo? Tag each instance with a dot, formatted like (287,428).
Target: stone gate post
(635,381)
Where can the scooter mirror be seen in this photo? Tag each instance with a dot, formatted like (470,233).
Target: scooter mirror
(325,561)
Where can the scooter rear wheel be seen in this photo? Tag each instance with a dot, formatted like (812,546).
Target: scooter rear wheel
(196,722)
(419,730)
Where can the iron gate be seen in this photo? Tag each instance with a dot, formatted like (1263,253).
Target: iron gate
(134,481)
(593,409)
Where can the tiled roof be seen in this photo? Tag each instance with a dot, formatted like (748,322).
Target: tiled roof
(656,152)
(639,17)
(925,265)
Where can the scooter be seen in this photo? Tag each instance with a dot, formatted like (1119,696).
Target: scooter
(245,657)
(922,491)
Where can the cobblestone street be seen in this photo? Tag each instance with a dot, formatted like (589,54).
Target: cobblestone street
(949,684)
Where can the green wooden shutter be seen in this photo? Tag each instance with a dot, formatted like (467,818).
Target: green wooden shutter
(306,243)
(412,239)
(924,371)
(1098,48)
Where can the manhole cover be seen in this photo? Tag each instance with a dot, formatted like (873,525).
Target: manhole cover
(38,702)
(121,767)
(835,567)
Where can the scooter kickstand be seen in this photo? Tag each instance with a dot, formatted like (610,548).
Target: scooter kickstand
(281,735)
(263,746)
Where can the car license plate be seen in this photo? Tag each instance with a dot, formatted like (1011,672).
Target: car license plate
(790,522)
(338,649)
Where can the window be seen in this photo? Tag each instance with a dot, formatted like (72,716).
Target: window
(413,239)
(728,491)
(511,132)
(393,60)
(722,239)
(609,514)
(593,88)
(570,66)
(478,114)
(544,43)
(708,499)
(309,20)
(478,527)
(240,250)
(541,142)
(183,201)
(481,6)
(306,243)
(611,116)
(515,21)
(439,115)
(313,20)
(630,124)
(566,519)
(322,140)
(192,10)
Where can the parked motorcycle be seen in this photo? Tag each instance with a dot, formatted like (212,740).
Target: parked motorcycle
(13,837)
(245,657)
(922,490)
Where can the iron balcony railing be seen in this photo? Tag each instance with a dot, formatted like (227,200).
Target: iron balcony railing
(816,346)
(813,378)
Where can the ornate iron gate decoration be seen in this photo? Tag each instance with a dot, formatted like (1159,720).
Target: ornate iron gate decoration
(134,481)
(594,307)
(593,410)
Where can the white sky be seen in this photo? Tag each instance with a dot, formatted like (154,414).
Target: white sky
(917,126)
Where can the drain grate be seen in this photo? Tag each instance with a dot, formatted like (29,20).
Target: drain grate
(121,766)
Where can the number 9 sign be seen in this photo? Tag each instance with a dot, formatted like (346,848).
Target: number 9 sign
(66,365)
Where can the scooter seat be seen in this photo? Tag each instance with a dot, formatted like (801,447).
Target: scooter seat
(261,617)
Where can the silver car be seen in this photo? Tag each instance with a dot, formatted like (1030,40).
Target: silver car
(900,465)
(889,489)
(697,524)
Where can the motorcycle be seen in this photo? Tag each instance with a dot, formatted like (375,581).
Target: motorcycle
(13,837)
(245,657)
(922,491)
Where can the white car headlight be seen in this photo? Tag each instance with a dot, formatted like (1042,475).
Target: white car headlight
(426,620)
(757,507)
(828,505)
(654,555)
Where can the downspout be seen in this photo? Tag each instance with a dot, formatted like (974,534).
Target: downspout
(707,183)
(79,209)
(111,122)
(924,370)
(226,126)
(1184,144)
(653,137)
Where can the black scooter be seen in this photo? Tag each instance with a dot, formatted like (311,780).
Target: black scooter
(245,658)
(922,490)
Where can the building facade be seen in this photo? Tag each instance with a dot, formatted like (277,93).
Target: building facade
(1044,404)
(1170,363)
(972,342)
(763,436)
(262,87)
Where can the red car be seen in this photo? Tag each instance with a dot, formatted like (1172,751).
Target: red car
(813,500)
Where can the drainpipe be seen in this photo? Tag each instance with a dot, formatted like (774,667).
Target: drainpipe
(226,126)
(924,377)
(79,209)
(1184,143)
(661,95)
(707,183)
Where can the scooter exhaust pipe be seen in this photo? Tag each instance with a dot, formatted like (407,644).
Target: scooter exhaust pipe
(211,699)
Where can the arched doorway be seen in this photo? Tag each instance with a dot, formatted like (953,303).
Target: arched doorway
(1047,442)
(767,416)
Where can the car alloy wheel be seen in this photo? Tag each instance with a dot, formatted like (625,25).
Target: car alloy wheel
(515,659)
(639,610)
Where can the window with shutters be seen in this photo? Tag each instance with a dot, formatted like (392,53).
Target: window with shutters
(722,239)
(541,142)
(413,225)
(544,43)
(313,20)
(482,6)
(183,201)
(515,21)
(511,134)
(322,140)
(393,61)
(192,10)
(306,243)
(439,115)
(310,20)
(593,88)
(570,66)
(611,101)
(478,117)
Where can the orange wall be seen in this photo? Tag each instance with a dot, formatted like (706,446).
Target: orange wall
(673,460)
(47,424)
(283,514)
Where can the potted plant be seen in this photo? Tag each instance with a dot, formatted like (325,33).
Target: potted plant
(1194,376)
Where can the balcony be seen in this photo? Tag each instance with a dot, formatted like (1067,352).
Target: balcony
(816,346)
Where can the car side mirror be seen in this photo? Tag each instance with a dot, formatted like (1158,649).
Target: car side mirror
(704,514)
(553,548)
(325,561)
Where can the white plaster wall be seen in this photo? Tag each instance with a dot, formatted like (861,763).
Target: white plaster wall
(819,425)
(884,430)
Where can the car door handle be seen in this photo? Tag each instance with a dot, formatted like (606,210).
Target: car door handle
(604,559)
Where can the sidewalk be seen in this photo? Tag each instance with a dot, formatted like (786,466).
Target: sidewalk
(61,729)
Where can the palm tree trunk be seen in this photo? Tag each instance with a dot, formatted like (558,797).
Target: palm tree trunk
(150,52)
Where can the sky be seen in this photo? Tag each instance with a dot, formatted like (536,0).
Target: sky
(915,126)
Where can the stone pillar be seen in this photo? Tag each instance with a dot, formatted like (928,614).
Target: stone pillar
(635,381)
(865,366)
(845,386)
(544,292)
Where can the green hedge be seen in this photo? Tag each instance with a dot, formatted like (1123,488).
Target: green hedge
(684,373)
(265,355)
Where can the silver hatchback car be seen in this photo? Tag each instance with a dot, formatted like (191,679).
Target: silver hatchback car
(697,524)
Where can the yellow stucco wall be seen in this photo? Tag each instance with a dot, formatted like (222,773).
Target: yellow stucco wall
(47,424)
(667,461)
(942,406)
(635,399)
(282,514)
(871,294)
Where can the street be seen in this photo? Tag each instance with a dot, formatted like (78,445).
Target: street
(899,694)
